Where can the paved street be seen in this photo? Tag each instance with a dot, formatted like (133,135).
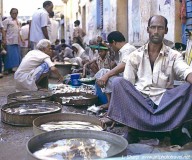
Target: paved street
(13,139)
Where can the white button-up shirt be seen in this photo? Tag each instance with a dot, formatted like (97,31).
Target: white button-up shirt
(39,19)
(153,83)
(125,51)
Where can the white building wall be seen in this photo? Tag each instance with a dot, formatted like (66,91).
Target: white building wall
(168,11)
(140,11)
(109,18)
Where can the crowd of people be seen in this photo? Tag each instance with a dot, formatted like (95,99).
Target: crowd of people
(138,83)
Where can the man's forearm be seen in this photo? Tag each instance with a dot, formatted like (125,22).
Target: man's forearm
(189,78)
(115,71)
(45,32)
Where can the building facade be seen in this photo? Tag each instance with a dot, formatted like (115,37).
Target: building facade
(100,17)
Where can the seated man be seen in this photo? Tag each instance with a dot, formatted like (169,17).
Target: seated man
(145,98)
(102,61)
(66,53)
(105,76)
(32,73)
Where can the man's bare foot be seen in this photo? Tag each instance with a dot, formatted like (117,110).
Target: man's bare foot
(107,122)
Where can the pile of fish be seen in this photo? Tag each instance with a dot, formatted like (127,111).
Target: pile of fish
(67,99)
(64,88)
(50,126)
(87,79)
(79,148)
(23,109)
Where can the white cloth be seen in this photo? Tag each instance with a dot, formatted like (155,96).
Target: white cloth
(125,51)
(153,83)
(24,32)
(80,55)
(24,76)
(39,19)
(53,30)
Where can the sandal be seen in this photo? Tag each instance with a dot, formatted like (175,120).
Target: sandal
(107,122)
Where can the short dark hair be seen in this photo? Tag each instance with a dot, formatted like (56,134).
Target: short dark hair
(165,19)
(115,36)
(63,45)
(13,9)
(77,22)
(51,14)
(62,40)
(47,3)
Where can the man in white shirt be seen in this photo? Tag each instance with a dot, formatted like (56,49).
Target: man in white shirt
(145,98)
(34,68)
(105,76)
(39,23)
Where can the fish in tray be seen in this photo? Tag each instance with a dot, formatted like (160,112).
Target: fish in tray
(67,99)
(31,109)
(50,126)
(75,148)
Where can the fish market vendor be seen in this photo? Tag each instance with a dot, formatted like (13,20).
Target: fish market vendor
(32,74)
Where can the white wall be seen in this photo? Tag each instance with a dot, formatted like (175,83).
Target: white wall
(140,11)
(109,18)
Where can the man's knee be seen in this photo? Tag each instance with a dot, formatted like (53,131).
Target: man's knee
(117,80)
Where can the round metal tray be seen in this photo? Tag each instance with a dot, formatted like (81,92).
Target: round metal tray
(62,117)
(118,143)
(25,119)
(28,96)
(91,99)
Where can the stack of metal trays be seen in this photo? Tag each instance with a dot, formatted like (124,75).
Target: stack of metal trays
(65,121)
(28,96)
(76,99)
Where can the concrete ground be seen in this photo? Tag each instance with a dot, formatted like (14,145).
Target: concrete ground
(13,139)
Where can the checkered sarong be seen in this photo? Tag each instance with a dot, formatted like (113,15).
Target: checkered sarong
(129,107)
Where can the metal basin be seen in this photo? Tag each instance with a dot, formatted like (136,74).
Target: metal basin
(90,99)
(117,148)
(28,96)
(64,68)
(26,119)
(63,117)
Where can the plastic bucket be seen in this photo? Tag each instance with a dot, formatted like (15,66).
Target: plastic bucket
(75,79)
(101,96)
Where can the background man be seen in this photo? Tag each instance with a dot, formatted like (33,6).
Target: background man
(32,73)
(78,32)
(12,37)
(39,23)
(105,76)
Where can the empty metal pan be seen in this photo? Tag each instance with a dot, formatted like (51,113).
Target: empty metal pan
(117,145)
(85,99)
(28,96)
(23,113)
(57,121)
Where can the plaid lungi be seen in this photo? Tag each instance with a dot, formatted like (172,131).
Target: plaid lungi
(101,73)
(129,107)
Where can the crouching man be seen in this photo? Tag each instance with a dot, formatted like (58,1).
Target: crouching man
(32,73)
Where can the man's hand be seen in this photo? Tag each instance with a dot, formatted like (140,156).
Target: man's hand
(102,81)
